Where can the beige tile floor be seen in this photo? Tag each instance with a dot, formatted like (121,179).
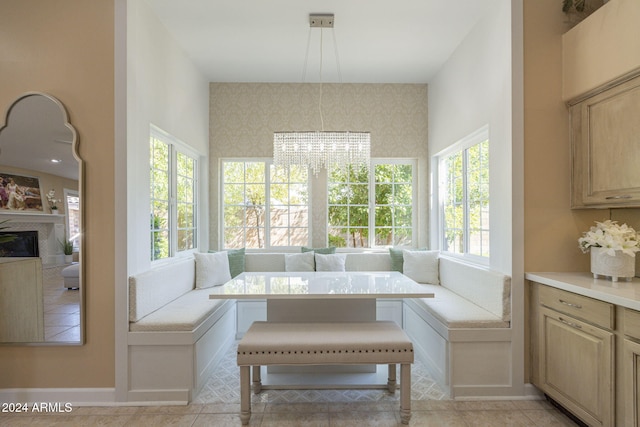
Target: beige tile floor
(426,413)
(217,404)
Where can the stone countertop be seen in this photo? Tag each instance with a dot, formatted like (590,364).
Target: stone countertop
(622,293)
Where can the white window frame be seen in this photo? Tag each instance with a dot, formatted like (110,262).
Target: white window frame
(176,146)
(464,144)
(268,162)
(372,203)
(74,238)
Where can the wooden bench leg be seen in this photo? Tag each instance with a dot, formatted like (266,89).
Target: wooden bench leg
(257,381)
(405,393)
(245,395)
(391,381)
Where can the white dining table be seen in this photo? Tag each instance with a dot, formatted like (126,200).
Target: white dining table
(321,297)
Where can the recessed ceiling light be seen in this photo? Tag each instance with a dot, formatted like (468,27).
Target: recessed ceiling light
(56,161)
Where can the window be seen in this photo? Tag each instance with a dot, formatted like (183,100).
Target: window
(371,207)
(464,196)
(72,209)
(174,189)
(264,206)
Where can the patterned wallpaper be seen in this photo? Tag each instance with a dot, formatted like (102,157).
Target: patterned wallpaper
(243,117)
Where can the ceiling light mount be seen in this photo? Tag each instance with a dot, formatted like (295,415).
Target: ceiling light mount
(321,20)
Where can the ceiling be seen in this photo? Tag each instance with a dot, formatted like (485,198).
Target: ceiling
(35,133)
(378,41)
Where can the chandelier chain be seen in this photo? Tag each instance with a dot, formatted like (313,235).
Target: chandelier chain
(320,97)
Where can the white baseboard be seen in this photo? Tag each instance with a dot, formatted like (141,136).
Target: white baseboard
(533,392)
(74,396)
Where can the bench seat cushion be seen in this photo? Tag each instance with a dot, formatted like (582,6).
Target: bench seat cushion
(184,313)
(270,343)
(455,311)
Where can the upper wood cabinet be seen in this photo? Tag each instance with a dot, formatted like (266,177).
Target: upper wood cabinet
(605,140)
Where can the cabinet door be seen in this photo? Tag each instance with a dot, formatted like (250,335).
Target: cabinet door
(576,366)
(632,382)
(604,134)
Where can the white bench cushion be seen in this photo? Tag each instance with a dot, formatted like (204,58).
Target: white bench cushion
(184,313)
(152,289)
(486,288)
(455,311)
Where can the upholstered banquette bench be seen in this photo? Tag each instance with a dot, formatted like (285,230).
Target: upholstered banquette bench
(177,334)
(325,343)
(463,335)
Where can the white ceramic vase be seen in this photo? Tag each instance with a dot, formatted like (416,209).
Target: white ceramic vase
(619,265)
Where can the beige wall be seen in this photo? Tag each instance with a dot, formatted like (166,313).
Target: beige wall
(245,115)
(552,229)
(65,48)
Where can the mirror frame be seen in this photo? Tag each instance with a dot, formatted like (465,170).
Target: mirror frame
(81,186)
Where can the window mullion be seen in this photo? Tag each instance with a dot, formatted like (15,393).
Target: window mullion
(173,209)
(372,205)
(465,200)
(267,205)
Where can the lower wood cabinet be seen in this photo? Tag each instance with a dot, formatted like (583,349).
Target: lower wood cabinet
(631,366)
(576,366)
(632,382)
(573,346)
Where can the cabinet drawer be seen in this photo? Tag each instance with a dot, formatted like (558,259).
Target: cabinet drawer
(588,309)
(632,323)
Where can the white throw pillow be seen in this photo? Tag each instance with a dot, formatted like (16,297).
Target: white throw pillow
(212,269)
(421,266)
(333,262)
(299,262)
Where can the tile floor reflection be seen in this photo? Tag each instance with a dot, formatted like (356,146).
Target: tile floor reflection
(61,308)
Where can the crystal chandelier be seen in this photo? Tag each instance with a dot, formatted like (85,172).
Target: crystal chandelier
(320,149)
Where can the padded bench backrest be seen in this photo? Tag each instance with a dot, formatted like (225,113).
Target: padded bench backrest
(368,262)
(489,289)
(264,262)
(353,262)
(153,289)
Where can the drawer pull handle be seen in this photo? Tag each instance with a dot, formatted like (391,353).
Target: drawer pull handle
(569,304)
(624,196)
(573,325)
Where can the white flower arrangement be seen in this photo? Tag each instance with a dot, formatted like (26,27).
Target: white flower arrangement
(51,198)
(611,236)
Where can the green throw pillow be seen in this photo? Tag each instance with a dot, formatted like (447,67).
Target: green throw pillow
(323,251)
(236,261)
(397,260)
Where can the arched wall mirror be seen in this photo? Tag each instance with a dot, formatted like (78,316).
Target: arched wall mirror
(41,225)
